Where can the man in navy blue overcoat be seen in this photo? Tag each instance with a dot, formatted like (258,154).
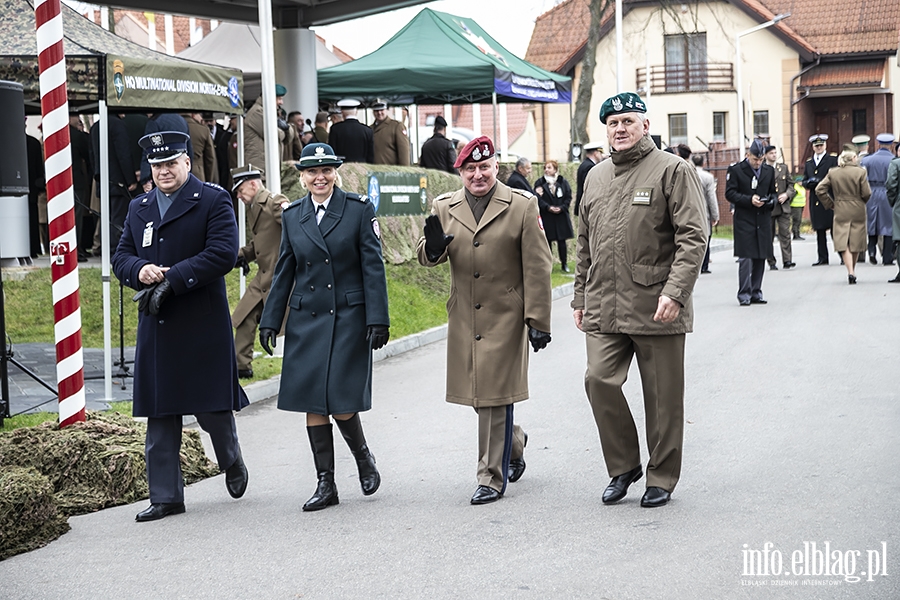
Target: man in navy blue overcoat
(180,240)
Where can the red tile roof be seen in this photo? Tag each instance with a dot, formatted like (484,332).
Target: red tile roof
(848,27)
(852,73)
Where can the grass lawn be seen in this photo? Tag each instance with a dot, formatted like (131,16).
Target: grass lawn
(417,301)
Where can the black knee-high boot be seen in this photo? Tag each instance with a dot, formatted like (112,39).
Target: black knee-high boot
(352,430)
(321,440)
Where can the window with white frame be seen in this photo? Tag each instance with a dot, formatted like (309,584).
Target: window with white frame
(719,126)
(761,123)
(678,133)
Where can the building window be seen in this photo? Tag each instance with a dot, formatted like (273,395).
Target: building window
(678,129)
(686,62)
(859,122)
(719,126)
(761,123)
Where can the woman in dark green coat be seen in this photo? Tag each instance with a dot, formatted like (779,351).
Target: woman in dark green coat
(330,275)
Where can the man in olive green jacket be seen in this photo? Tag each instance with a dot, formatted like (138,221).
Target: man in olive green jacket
(641,240)
(264,219)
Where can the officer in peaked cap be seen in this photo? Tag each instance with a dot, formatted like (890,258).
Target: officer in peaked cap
(264,218)
(814,171)
(391,146)
(350,138)
(593,154)
(500,264)
(878,209)
(179,242)
(862,144)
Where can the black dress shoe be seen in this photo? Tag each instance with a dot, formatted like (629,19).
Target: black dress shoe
(851,279)
(245,373)
(157,511)
(819,263)
(744,302)
(485,495)
(758,301)
(618,485)
(236,477)
(797,237)
(872,259)
(895,279)
(705,271)
(773,267)
(790,265)
(517,465)
(565,268)
(655,496)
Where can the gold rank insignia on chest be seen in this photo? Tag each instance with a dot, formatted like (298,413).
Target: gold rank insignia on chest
(642,196)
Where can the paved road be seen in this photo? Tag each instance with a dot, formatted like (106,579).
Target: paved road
(792,417)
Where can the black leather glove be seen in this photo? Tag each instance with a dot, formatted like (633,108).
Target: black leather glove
(267,339)
(243,265)
(378,335)
(435,239)
(162,291)
(143,299)
(538,339)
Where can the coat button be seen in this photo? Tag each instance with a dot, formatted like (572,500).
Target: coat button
(162,321)
(191,280)
(477,306)
(477,274)
(477,243)
(331,312)
(327,262)
(312,288)
(328,286)
(161,240)
(308,264)
(313,314)
(477,338)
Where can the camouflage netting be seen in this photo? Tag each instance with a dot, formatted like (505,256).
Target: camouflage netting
(48,474)
(400,233)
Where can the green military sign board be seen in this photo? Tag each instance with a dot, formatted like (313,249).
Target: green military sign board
(136,82)
(395,193)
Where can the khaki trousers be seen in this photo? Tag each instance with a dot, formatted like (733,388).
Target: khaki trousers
(245,337)
(660,360)
(499,441)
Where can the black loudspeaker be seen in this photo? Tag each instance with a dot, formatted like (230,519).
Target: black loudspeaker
(14,162)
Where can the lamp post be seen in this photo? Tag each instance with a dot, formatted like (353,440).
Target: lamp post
(737,66)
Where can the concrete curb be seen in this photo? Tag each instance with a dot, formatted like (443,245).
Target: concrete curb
(259,391)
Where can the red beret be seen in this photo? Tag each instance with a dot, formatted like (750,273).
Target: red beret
(479,149)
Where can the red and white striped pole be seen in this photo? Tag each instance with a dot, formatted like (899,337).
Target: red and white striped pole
(60,211)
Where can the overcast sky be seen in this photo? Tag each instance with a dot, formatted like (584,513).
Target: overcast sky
(510,22)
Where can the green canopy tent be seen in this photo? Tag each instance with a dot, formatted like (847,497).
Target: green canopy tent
(104,70)
(439,58)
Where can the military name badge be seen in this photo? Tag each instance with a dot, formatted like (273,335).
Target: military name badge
(376,228)
(148,235)
(642,196)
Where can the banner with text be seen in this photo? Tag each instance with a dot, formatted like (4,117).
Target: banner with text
(395,193)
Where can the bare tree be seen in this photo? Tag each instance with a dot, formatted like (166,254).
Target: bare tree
(586,82)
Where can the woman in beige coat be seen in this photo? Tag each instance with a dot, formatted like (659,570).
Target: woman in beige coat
(845,190)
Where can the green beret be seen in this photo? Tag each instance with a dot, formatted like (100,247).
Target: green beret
(625,102)
(280,90)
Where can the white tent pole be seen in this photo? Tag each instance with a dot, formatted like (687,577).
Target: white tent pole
(170,34)
(504,134)
(494,100)
(267,52)
(104,245)
(448,116)
(242,210)
(414,132)
(476,119)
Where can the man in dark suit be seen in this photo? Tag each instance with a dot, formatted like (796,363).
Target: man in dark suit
(438,152)
(750,187)
(593,151)
(122,180)
(180,241)
(815,171)
(519,177)
(82,175)
(350,138)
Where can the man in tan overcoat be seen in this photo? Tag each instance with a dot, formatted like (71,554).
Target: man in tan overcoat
(641,241)
(499,302)
(391,143)
(204,165)
(264,219)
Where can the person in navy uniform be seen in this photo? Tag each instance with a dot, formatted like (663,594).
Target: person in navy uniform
(750,186)
(179,242)
(351,139)
(814,171)
(330,276)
